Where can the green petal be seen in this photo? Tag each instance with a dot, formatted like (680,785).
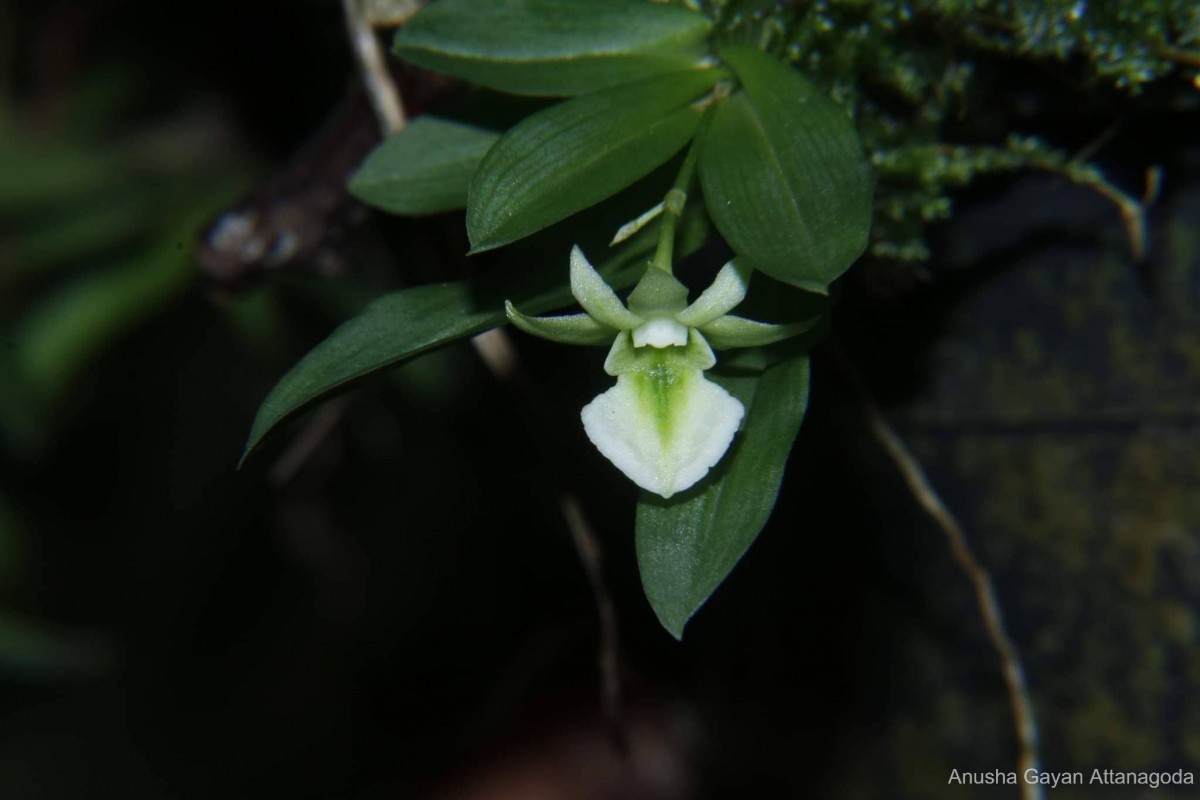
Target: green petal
(727,290)
(621,356)
(730,331)
(572,329)
(625,357)
(597,297)
(698,352)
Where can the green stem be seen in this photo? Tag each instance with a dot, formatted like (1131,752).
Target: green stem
(676,199)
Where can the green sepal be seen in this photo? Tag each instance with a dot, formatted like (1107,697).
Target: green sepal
(570,329)
(732,331)
(657,293)
(553,47)
(727,290)
(596,296)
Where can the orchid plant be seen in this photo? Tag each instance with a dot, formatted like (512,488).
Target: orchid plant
(783,182)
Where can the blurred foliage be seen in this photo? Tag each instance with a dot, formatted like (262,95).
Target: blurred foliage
(99,209)
(94,238)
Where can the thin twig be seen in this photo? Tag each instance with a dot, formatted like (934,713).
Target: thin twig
(1179,56)
(495,349)
(1154,177)
(1133,213)
(609,659)
(985,596)
(1077,171)
(306,442)
(377,80)
(385,99)
(1085,153)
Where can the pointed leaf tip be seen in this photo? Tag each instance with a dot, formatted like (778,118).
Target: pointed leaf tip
(404,324)
(426,169)
(688,545)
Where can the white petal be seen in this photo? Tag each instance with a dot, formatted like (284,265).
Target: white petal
(597,297)
(661,332)
(663,428)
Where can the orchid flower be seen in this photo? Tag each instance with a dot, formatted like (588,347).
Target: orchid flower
(664,424)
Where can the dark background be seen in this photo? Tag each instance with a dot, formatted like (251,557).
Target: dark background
(404,612)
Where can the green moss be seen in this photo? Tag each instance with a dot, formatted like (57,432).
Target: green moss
(907,70)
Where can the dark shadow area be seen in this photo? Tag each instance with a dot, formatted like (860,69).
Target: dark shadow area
(385,600)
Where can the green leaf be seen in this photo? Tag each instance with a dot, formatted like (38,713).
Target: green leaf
(687,545)
(403,324)
(784,175)
(423,170)
(553,47)
(577,153)
(393,327)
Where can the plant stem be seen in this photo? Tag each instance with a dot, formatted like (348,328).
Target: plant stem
(676,199)
(372,63)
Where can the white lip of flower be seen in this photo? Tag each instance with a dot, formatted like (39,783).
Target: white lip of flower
(664,424)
